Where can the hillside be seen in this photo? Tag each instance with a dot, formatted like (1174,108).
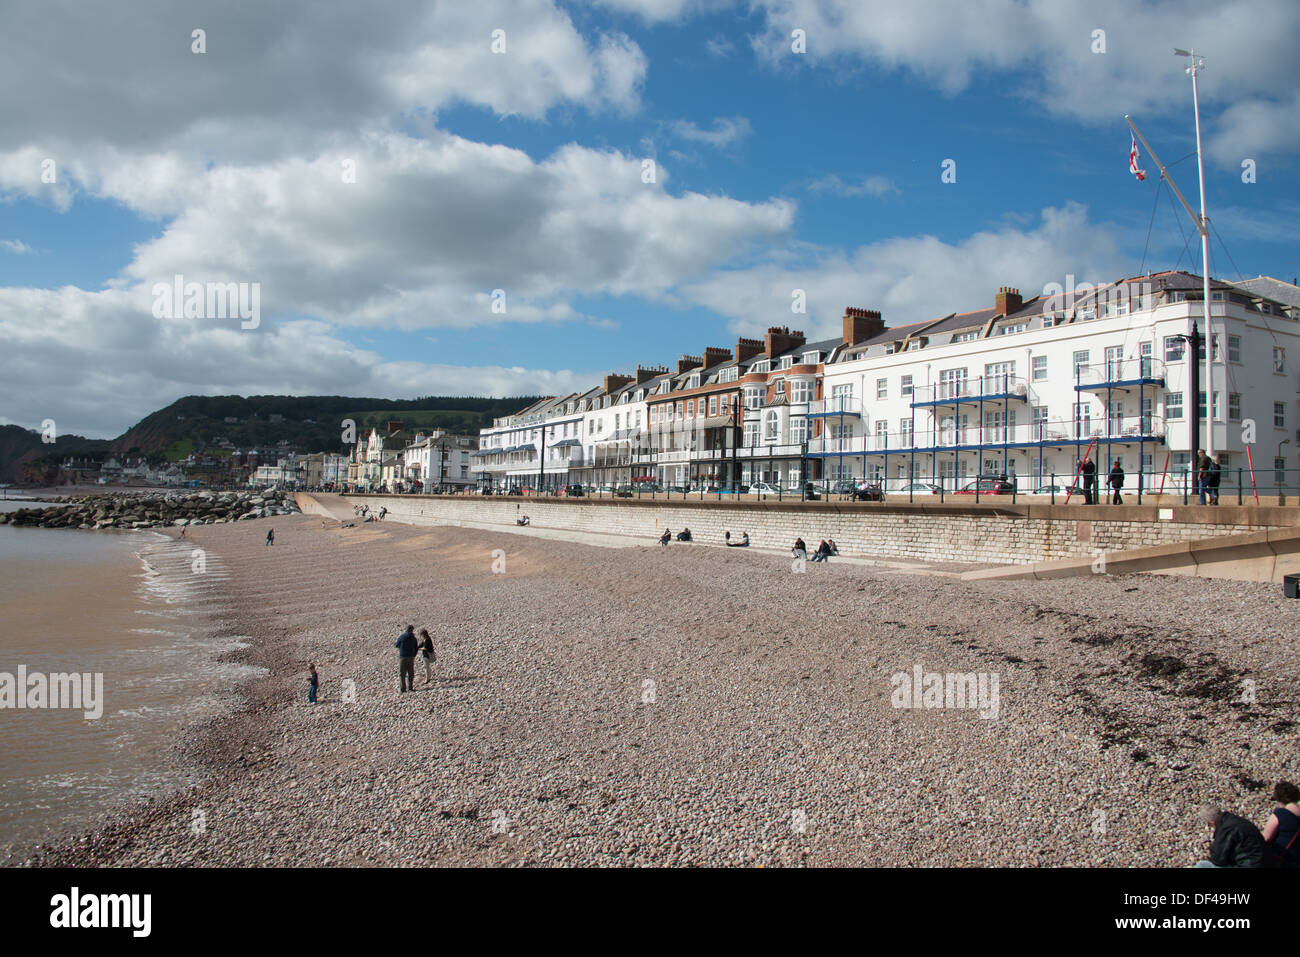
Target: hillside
(195,423)
(25,458)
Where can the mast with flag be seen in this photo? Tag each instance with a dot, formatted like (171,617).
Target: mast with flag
(1202,221)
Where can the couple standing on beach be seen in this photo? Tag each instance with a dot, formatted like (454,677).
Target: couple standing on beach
(407,645)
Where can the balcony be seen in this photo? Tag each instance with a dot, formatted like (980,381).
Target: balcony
(1004,388)
(838,405)
(1119,375)
(1117,430)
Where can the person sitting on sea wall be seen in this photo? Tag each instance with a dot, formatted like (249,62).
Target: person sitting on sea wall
(684,535)
(800,550)
(743,543)
(666,537)
(823,552)
(834,549)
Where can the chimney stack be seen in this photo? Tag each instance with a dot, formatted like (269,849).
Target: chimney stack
(780,339)
(688,362)
(746,348)
(713,355)
(646,373)
(614,382)
(1008,301)
(393,427)
(861,325)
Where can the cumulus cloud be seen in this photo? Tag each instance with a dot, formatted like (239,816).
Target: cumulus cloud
(16,246)
(911,278)
(1047,48)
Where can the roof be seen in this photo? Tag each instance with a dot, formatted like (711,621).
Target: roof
(1267,287)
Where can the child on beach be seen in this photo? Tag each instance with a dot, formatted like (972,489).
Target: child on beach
(313,684)
(426,649)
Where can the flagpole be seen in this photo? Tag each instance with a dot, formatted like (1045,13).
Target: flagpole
(1193,68)
(1192,399)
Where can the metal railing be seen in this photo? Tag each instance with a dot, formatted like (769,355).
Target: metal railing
(974,388)
(1120,370)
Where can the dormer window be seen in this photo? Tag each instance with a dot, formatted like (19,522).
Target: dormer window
(640,394)
(787,362)
(763,365)
(693,382)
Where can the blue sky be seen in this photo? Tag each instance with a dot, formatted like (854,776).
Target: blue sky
(520,170)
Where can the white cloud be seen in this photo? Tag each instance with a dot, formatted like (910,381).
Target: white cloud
(726,132)
(17,247)
(911,278)
(948,43)
(877,186)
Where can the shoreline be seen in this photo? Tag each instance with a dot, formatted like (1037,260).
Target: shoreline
(536,745)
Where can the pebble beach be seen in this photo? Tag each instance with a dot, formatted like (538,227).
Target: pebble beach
(696,705)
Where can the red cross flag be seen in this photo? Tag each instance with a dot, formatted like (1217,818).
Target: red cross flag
(1141,174)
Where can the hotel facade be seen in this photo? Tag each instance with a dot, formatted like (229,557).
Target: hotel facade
(1020,388)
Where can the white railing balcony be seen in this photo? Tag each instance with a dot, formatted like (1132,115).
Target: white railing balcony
(836,405)
(1100,374)
(972,389)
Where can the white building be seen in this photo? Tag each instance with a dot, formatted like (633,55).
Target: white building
(440,460)
(1024,389)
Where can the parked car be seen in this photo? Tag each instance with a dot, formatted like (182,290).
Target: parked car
(763,488)
(987,486)
(1050,489)
(843,487)
(920,488)
(573,491)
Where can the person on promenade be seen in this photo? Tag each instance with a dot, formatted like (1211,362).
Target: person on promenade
(666,537)
(1283,827)
(1212,476)
(313,683)
(800,550)
(1234,841)
(684,535)
(1116,482)
(426,650)
(1202,480)
(1089,472)
(406,648)
(270,536)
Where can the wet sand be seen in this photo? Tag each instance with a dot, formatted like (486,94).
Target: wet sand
(695,705)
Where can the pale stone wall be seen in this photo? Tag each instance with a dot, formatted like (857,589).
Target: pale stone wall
(922,534)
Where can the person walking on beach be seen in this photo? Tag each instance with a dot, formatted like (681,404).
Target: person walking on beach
(406,648)
(1116,482)
(270,536)
(313,683)
(426,650)
(1283,827)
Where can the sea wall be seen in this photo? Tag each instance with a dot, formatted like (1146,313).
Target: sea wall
(1010,534)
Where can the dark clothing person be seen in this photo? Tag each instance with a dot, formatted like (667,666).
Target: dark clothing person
(1116,482)
(1213,474)
(800,550)
(684,535)
(407,646)
(1238,843)
(666,537)
(823,552)
(313,685)
(1202,475)
(1089,472)
(1285,842)
(270,536)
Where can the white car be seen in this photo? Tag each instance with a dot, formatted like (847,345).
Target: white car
(762,488)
